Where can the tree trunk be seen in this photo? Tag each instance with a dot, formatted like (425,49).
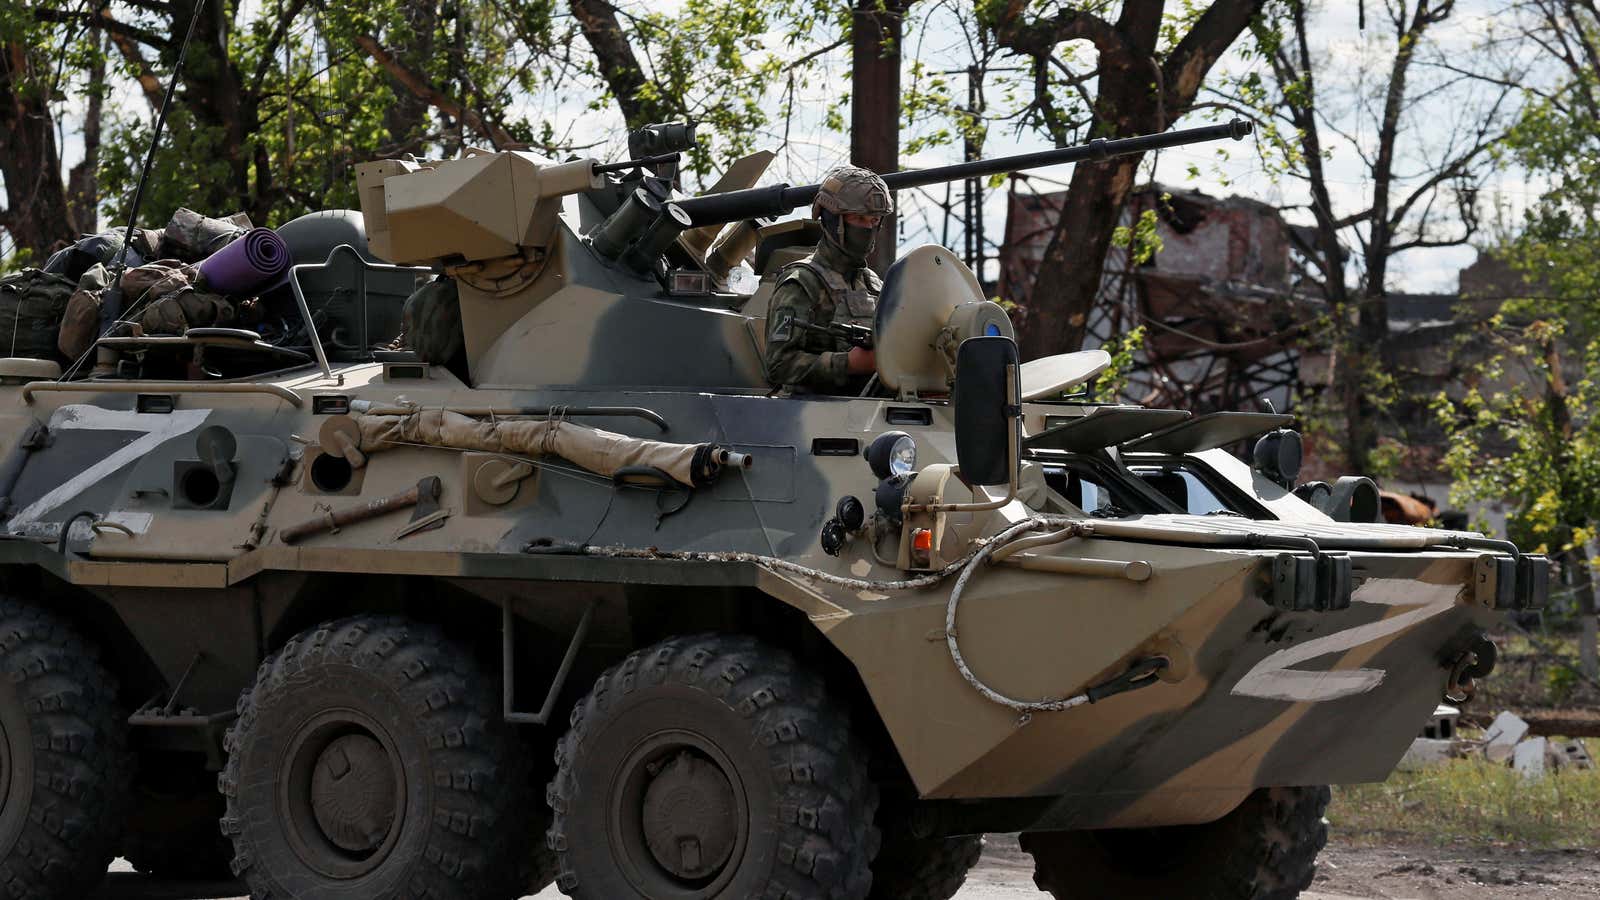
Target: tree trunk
(1556,396)
(1138,92)
(1067,281)
(214,94)
(35,214)
(1583,592)
(83,181)
(615,58)
(875,33)
(406,119)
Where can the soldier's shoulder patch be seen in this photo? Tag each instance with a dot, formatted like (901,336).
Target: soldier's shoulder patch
(783,326)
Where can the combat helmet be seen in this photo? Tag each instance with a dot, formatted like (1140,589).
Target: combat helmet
(852,189)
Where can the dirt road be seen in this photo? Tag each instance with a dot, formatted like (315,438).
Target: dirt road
(1345,873)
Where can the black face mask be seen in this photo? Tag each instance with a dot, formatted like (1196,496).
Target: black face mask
(852,241)
(857,242)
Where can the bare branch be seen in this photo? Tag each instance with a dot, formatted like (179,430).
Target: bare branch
(419,86)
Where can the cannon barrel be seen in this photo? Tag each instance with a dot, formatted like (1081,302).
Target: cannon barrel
(779,199)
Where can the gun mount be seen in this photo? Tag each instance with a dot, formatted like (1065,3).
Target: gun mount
(582,273)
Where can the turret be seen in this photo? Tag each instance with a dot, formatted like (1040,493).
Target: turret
(587,273)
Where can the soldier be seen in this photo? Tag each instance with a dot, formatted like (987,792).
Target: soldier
(833,284)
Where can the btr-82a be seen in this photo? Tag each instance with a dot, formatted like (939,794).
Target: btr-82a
(590,602)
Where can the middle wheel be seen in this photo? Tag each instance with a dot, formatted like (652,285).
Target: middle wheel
(712,767)
(369,761)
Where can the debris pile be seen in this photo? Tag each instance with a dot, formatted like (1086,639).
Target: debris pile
(1505,741)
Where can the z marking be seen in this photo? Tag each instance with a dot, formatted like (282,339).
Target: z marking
(1274,680)
(157,429)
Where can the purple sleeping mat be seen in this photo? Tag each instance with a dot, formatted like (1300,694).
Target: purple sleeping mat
(255,261)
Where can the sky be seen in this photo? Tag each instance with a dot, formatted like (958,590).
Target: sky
(1354,57)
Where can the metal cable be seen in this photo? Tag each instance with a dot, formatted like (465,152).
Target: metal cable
(963,568)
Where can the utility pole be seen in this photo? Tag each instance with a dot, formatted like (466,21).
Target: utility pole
(875,101)
(972,209)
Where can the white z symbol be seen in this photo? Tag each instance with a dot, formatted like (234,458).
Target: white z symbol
(157,428)
(1273,679)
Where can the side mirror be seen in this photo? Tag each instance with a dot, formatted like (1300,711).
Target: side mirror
(987,406)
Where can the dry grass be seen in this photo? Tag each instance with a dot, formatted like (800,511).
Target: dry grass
(1472,801)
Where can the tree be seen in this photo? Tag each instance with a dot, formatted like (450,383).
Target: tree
(1435,128)
(1149,67)
(35,215)
(279,100)
(876,29)
(1540,450)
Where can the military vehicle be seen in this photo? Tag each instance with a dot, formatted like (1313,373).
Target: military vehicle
(581,598)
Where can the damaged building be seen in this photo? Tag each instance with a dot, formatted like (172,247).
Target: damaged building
(1218,302)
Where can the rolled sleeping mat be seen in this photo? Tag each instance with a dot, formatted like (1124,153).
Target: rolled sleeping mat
(256,261)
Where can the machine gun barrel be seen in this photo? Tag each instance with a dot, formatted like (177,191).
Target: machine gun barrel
(777,200)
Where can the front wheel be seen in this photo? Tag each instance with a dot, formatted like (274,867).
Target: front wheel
(64,763)
(1266,849)
(369,760)
(712,767)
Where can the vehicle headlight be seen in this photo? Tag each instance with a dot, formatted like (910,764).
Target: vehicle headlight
(892,453)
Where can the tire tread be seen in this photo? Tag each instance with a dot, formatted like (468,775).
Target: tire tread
(828,839)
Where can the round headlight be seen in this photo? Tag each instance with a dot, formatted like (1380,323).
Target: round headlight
(1278,455)
(892,453)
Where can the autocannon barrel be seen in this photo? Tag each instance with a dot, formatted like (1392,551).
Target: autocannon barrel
(777,200)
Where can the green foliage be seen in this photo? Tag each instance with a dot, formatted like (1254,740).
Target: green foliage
(1141,239)
(277,108)
(1110,383)
(1560,682)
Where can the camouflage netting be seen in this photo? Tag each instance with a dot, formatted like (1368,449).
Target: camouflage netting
(602,452)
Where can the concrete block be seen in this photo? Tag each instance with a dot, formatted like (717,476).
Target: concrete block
(1502,736)
(1528,758)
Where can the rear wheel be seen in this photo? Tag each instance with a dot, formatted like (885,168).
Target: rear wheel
(924,868)
(1266,849)
(64,763)
(711,767)
(369,760)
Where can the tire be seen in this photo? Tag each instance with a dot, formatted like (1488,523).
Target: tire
(64,762)
(1266,849)
(925,868)
(440,804)
(740,762)
(174,827)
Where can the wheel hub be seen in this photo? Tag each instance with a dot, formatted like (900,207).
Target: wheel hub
(353,793)
(689,816)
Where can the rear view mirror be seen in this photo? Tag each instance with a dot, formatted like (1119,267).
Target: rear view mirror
(987,406)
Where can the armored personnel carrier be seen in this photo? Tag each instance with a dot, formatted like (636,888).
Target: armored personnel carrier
(576,596)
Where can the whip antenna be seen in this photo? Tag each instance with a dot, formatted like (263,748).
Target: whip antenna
(113,308)
(155,141)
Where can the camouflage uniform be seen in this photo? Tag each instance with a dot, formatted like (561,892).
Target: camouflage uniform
(830,285)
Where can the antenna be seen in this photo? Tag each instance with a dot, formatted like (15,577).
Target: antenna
(114,287)
(155,141)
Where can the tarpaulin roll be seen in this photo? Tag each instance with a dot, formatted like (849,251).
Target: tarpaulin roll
(258,260)
(601,452)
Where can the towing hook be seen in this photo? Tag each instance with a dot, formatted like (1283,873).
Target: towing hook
(1475,662)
